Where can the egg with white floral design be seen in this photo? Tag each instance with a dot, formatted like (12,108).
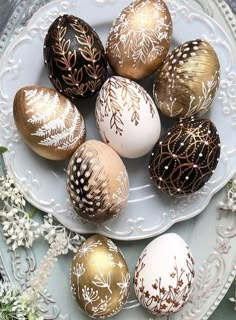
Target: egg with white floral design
(164,275)
(139,39)
(100,278)
(127,118)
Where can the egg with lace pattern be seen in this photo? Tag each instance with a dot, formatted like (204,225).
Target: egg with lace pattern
(99,278)
(74,57)
(48,122)
(185,157)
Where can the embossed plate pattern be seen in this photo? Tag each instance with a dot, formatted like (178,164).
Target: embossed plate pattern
(43,182)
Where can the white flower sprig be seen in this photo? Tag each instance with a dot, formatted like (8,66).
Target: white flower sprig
(20,229)
(14,306)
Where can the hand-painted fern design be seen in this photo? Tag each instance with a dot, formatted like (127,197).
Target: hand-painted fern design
(54,129)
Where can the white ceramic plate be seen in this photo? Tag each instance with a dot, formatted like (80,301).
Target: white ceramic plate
(43,182)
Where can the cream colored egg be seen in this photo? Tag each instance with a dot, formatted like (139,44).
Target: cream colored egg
(164,275)
(127,118)
(139,39)
(48,122)
(100,278)
(188,80)
(97,182)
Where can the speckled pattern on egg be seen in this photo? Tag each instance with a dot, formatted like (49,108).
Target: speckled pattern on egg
(98,191)
(188,80)
(185,157)
(75,57)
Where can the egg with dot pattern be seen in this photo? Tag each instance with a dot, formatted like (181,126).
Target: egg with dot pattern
(185,156)
(97,182)
(187,81)
(75,57)
(139,39)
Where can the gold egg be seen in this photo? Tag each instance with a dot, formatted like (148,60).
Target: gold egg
(139,39)
(48,122)
(97,182)
(99,278)
(188,80)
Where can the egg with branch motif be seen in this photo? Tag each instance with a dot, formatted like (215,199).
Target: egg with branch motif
(127,118)
(164,275)
(187,81)
(185,157)
(75,57)
(48,122)
(139,39)
(99,278)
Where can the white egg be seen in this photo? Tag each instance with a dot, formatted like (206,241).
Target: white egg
(164,275)
(127,118)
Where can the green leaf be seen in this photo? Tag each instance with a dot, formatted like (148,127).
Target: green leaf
(3,149)
(32,212)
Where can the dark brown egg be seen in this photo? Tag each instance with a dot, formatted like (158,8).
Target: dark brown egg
(75,57)
(188,80)
(185,157)
(139,39)
(97,182)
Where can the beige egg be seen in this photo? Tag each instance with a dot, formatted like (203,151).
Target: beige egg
(100,278)
(97,182)
(139,39)
(188,80)
(48,122)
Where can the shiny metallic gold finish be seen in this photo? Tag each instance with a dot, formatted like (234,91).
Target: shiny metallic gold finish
(139,39)
(48,122)
(188,80)
(100,278)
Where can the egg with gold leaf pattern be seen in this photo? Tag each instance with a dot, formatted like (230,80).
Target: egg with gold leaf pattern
(185,157)
(48,122)
(75,57)
(100,278)
(187,81)
(139,39)
(97,182)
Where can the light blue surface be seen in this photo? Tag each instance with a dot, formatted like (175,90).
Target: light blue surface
(224,310)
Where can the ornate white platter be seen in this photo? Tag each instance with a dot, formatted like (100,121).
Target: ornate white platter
(43,182)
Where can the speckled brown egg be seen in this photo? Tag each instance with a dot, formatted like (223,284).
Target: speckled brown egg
(185,157)
(139,39)
(75,57)
(100,278)
(97,182)
(48,122)
(188,80)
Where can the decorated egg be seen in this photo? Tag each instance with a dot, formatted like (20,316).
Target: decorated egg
(164,275)
(75,57)
(100,278)
(97,182)
(127,118)
(139,39)
(185,156)
(49,123)
(188,80)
